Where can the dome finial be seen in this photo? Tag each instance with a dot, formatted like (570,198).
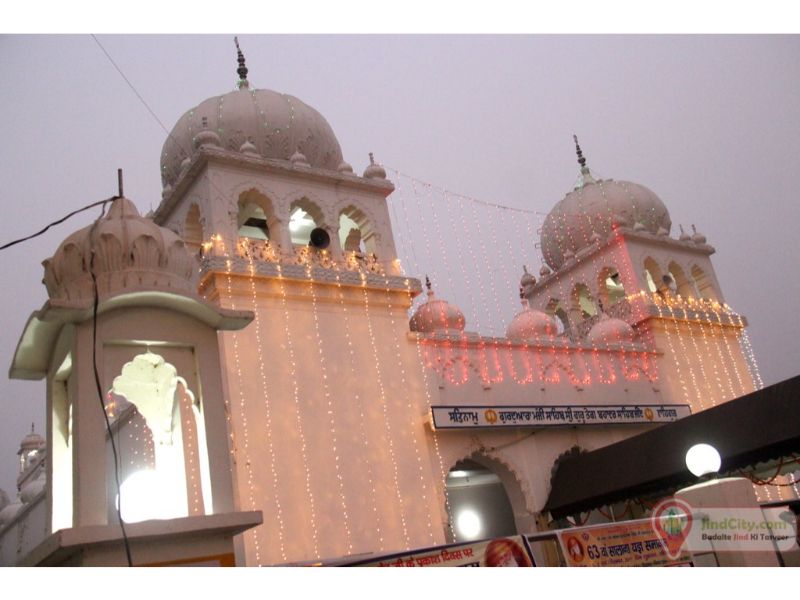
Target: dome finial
(581,159)
(372,162)
(586,175)
(428,283)
(242,70)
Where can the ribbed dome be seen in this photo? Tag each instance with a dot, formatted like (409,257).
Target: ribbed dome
(131,252)
(591,209)
(32,441)
(276,124)
(437,315)
(531,324)
(610,331)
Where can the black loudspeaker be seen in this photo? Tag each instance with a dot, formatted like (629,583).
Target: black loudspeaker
(319,238)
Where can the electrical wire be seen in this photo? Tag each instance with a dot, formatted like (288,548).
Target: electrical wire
(61,220)
(101,203)
(95,306)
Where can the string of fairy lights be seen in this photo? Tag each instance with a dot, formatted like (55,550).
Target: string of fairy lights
(410,408)
(358,398)
(275,481)
(384,399)
(329,409)
(489,357)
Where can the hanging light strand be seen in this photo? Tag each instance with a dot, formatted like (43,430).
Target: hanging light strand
(293,377)
(355,375)
(326,392)
(265,393)
(386,421)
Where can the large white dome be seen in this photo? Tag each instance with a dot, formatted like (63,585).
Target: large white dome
(277,125)
(593,208)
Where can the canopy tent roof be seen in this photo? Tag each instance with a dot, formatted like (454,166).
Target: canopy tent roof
(761,427)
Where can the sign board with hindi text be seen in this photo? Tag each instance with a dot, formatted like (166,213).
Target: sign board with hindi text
(510,551)
(470,417)
(623,544)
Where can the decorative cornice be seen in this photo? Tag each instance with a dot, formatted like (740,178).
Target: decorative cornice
(244,266)
(204,155)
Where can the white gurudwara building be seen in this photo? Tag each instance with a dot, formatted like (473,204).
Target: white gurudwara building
(269,400)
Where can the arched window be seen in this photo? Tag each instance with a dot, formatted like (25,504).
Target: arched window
(160,438)
(555,308)
(683,285)
(583,301)
(355,232)
(705,289)
(653,275)
(479,505)
(193,230)
(304,217)
(610,285)
(255,216)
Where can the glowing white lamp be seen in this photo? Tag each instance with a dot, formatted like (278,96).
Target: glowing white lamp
(146,495)
(703,459)
(469,524)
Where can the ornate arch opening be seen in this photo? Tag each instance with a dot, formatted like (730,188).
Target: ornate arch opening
(684,285)
(609,282)
(256,216)
(193,230)
(356,233)
(555,308)
(304,217)
(653,275)
(160,439)
(485,500)
(705,288)
(583,302)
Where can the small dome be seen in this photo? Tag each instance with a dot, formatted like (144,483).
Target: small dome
(298,158)
(247,148)
(206,137)
(609,330)
(527,279)
(276,124)
(374,171)
(685,237)
(32,441)
(596,207)
(531,324)
(345,167)
(698,238)
(131,252)
(544,271)
(437,315)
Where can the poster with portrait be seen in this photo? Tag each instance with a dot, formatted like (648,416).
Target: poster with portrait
(623,544)
(510,551)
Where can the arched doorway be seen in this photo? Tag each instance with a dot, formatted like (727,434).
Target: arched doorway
(479,505)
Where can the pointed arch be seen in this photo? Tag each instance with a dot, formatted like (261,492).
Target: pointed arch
(653,275)
(685,286)
(255,215)
(352,217)
(555,308)
(703,283)
(582,301)
(610,286)
(193,229)
(519,509)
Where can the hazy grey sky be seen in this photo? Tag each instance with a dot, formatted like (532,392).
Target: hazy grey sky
(710,123)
